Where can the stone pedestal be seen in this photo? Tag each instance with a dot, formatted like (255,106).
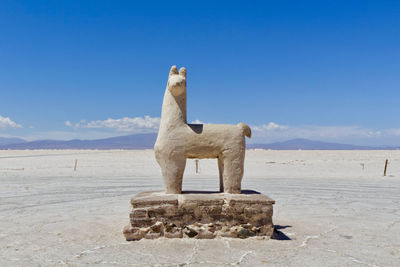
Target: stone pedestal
(199,215)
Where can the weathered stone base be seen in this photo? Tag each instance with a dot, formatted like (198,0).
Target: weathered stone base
(200,215)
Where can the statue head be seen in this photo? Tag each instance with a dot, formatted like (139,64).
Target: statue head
(177,81)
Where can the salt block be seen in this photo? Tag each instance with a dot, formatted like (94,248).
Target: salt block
(199,214)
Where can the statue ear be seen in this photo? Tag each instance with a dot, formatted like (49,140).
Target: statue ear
(182,72)
(173,71)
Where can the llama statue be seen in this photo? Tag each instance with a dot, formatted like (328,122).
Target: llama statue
(177,140)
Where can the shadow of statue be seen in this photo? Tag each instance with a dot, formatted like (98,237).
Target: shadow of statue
(278,235)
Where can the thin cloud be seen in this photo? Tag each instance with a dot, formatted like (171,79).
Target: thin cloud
(197,122)
(273,132)
(126,124)
(6,122)
(395,132)
(270,127)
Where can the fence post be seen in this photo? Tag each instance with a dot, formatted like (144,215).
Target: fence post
(386,163)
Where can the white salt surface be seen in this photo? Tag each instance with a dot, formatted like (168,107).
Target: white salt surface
(335,206)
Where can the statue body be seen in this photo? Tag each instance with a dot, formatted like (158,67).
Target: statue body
(177,140)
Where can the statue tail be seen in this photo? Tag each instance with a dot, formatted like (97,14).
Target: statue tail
(246,129)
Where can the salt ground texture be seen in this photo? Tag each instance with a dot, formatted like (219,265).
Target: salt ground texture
(333,208)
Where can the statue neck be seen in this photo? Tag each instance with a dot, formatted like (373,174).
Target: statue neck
(173,111)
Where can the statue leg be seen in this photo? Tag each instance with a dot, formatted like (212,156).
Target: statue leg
(172,171)
(233,172)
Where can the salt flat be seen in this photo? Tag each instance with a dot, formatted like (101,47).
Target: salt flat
(334,208)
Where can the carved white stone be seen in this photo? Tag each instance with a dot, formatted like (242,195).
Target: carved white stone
(177,141)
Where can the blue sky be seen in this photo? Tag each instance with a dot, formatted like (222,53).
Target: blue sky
(323,70)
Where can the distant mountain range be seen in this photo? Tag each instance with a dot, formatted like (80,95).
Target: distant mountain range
(146,141)
(135,141)
(10,140)
(306,144)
